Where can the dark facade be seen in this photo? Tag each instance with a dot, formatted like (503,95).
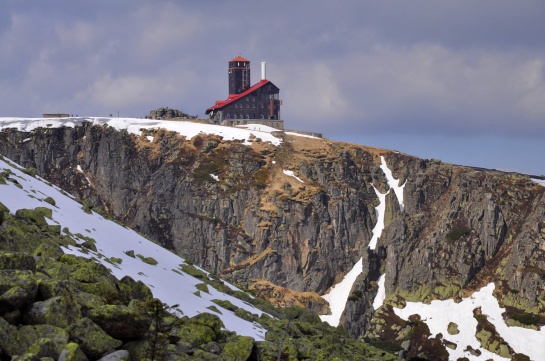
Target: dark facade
(239,75)
(257,104)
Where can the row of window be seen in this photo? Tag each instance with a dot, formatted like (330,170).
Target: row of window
(241,116)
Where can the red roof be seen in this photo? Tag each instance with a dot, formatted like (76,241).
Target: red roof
(233,97)
(239,58)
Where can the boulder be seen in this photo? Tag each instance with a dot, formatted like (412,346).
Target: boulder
(94,342)
(28,335)
(13,299)
(17,261)
(88,302)
(44,347)
(121,322)
(7,333)
(72,352)
(130,289)
(56,311)
(25,291)
(121,355)
(238,349)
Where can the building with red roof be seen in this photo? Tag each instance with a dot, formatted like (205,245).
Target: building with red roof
(257,104)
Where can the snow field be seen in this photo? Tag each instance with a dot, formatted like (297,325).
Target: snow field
(166,279)
(135,126)
(438,314)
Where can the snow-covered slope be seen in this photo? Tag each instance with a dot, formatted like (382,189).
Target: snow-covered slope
(135,126)
(166,279)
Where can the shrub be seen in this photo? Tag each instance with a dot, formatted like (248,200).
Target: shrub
(527,319)
(50,201)
(457,233)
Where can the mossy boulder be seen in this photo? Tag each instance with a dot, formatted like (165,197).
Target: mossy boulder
(48,250)
(57,311)
(7,335)
(28,335)
(209,320)
(17,261)
(25,283)
(49,288)
(194,334)
(121,322)
(129,289)
(88,302)
(14,299)
(72,352)
(238,349)
(92,339)
(32,215)
(44,347)
(3,210)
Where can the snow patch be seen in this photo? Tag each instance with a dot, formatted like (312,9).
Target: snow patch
(215,177)
(393,183)
(150,138)
(302,135)
(78,167)
(379,226)
(438,314)
(539,181)
(135,126)
(381,293)
(338,295)
(291,174)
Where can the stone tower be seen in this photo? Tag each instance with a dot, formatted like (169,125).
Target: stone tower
(239,75)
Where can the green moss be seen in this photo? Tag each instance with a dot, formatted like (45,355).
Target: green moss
(202,287)
(453,329)
(457,233)
(226,304)
(148,260)
(50,201)
(238,349)
(193,271)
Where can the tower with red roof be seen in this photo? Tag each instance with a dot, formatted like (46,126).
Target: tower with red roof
(257,104)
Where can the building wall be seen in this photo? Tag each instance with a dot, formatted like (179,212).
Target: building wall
(263,103)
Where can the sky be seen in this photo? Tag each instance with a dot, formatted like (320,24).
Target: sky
(463,81)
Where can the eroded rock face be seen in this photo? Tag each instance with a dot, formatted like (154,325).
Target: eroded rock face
(460,227)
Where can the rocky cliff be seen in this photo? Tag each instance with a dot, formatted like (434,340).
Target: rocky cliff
(234,209)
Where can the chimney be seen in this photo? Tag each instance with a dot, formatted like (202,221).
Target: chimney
(263,70)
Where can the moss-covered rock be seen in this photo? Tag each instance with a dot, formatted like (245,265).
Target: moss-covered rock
(129,289)
(44,347)
(121,322)
(31,215)
(238,349)
(25,281)
(57,311)
(88,302)
(7,336)
(209,320)
(28,335)
(13,299)
(194,334)
(72,352)
(17,261)
(94,342)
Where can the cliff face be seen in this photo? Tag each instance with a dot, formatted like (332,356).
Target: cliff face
(460,227)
